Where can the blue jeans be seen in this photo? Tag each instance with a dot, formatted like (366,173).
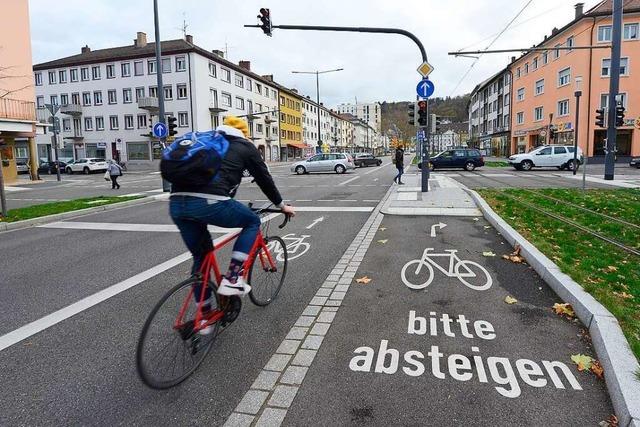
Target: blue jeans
(192,214)
(400,172)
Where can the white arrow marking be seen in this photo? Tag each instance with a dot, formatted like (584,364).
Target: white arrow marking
(315,221)
(440,225)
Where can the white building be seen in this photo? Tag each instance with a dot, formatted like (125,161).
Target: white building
(370,113)
(310,124)
(108,98)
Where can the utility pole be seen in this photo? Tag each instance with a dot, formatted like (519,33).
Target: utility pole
(53,109)
(160,92)
(3,200)
(614,82)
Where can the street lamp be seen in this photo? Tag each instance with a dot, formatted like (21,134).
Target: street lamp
(317,73)
(577,94)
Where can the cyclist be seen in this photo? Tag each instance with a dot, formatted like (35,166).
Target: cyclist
(193,208)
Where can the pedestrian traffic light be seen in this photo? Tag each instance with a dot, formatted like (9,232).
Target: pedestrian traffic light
(437,123)
(552,133)
(619,115)
(265,19)
(422,113)
(600,117)
(412,113)
(171,123)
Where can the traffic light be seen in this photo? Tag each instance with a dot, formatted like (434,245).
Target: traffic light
(619,115)
(552,133)
(436,123)
(171,123)
(422,113)
(600,117)
(265,19)
(412,113)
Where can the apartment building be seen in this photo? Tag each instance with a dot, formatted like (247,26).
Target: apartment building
(108,98)
(291,140)
(371,113)
(342,132)
(544,83)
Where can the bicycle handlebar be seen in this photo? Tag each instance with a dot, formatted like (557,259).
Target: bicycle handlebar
(287,217)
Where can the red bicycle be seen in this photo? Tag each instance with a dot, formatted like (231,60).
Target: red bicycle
(178,334)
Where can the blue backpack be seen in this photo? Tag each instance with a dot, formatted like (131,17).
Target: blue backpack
(194,159)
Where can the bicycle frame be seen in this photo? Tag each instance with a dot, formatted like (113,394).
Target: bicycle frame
(453,260)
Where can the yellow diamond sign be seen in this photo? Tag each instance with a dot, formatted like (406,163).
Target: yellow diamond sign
(425,69)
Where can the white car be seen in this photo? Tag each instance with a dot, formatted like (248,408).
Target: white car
(87,166)
(331,162)
(547,156)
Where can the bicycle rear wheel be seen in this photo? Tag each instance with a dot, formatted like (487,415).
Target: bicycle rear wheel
(265,278)
(166,355)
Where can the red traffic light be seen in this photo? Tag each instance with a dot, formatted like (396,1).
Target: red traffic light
(422,105)
(264,12)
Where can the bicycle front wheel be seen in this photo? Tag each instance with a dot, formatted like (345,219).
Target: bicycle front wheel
(268,271)
(167,354)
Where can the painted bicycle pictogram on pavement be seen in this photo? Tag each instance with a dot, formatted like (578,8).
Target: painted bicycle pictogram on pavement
(296,246)
(470,273)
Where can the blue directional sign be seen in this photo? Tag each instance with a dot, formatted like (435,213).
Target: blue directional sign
(425,88)
(160,130)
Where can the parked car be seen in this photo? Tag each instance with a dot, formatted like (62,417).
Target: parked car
(87,166)
(635,161)
(362,160)
(559,156)
(466,158)
(49,167)
(333,162)
(22,165)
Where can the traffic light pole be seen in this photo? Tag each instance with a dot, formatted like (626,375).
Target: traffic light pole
(614,81)
(426,159)
(166,186)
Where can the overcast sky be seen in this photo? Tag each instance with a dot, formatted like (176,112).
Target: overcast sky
(376,67)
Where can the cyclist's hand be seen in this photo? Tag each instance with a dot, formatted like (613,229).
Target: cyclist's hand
(289,211)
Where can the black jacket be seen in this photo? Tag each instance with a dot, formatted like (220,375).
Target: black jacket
(241,155)
(399,158)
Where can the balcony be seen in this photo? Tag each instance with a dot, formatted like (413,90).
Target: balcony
(71,109)
(270,138)
(76,136)
(213,108)
(148,103)
(268,120)
(16,109)
(250,116)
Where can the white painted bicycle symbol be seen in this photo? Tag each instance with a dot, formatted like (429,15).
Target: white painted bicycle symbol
(470,273)
(296,246)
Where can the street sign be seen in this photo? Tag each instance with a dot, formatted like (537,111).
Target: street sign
(160,130)
(425,69)
(425,88)
(420,135)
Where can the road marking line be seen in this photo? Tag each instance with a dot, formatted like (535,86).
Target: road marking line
(347,181)
(113,226)
(304,200)
(326,200)
(372,200)
(347,200)
(157,190)
(334,209)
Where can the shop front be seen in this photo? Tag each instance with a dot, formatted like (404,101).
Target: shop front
(485,145)
(624,142)
(500,146)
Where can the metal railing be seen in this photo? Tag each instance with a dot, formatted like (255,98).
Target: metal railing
(17,109)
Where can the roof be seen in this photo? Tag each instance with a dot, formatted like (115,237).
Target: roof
(486,82)
(458,127)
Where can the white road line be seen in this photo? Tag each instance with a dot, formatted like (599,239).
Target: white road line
(334,208)
(347,200)
(304,200)
(326,200)
(376,169)
(157,190)
(114,226)
(371,200)
(348,181)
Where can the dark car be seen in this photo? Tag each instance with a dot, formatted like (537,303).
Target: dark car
(466,158)
(635,162)
(362,160)
(49,167)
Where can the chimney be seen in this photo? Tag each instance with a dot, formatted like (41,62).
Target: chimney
(218,53)
(513,59)
(579,10)
(85,49)
(245,65)
(141,39)
(554,31)
(189,38)
(268,77)
(294,90)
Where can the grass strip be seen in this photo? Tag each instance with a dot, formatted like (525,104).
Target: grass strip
(52,208)
(496,164)
(608,273)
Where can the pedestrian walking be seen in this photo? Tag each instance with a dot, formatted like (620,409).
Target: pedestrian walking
(114,170)
(399,161)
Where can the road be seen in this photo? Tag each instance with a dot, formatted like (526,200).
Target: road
(76,293)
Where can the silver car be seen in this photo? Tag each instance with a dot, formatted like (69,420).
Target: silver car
(333,162)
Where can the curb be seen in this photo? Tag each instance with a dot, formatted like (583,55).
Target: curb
(612,348)
(27,223)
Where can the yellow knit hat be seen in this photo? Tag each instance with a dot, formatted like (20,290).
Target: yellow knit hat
(237,123)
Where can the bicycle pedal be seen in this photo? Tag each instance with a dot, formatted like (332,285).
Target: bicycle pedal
(232,310)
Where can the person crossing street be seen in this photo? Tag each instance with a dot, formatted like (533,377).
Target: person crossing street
(399,161)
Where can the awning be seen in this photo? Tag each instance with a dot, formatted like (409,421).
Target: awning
(297,145)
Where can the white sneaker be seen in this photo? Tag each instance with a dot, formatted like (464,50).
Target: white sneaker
(226,288)
(206,330)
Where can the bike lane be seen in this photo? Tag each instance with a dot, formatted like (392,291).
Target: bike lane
(447,354)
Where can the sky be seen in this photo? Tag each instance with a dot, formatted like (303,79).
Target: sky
(377,67)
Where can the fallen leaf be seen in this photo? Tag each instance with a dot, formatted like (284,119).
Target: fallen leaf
(383,241)
(597,369)
(487,226)
(583,361)
(364,280)
(612,421)
(611,269)
(623,295)
(476,219)
(488,253)
(382,228)
(564,310)
(510,300)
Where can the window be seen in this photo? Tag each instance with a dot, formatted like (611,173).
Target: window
(64,99)
(88,123)
(73,75)
(166,65)
(62,76)
(142,121)
(518,73)
(545,151)
(151,67)
(168,92)
(153,91)
(559,150)
(66,125)
(138,151)
(183,119)
(630,32)
(226,75)
(563,107)
(570,43)
(126,96)
(125,69)
(97,97)
(99,123)
(604,33)
(556,52)
(111,71)
(181,63)
(38,78)
(506,100)
(112,96)
(249,86)
(526,68)
(545,58)
(606,67)
(138,68)
(281,100)
(53,99)
(604,100)
(84,74)
(539,87)
(86,98)
(564,77)
(52,77)
(534,64)
(520,94)
(537,114)
(182,91)
(113,122)
(239,103)
(75,98)
(520,117)
(226,100)
(506,120)
(139,93)
(128,121)
(95,72)
(239,80)
(212,69)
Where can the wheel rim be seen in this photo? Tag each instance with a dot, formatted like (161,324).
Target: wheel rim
(340,169)
(526,166)
(470,166)
(265,283)
(299,170)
